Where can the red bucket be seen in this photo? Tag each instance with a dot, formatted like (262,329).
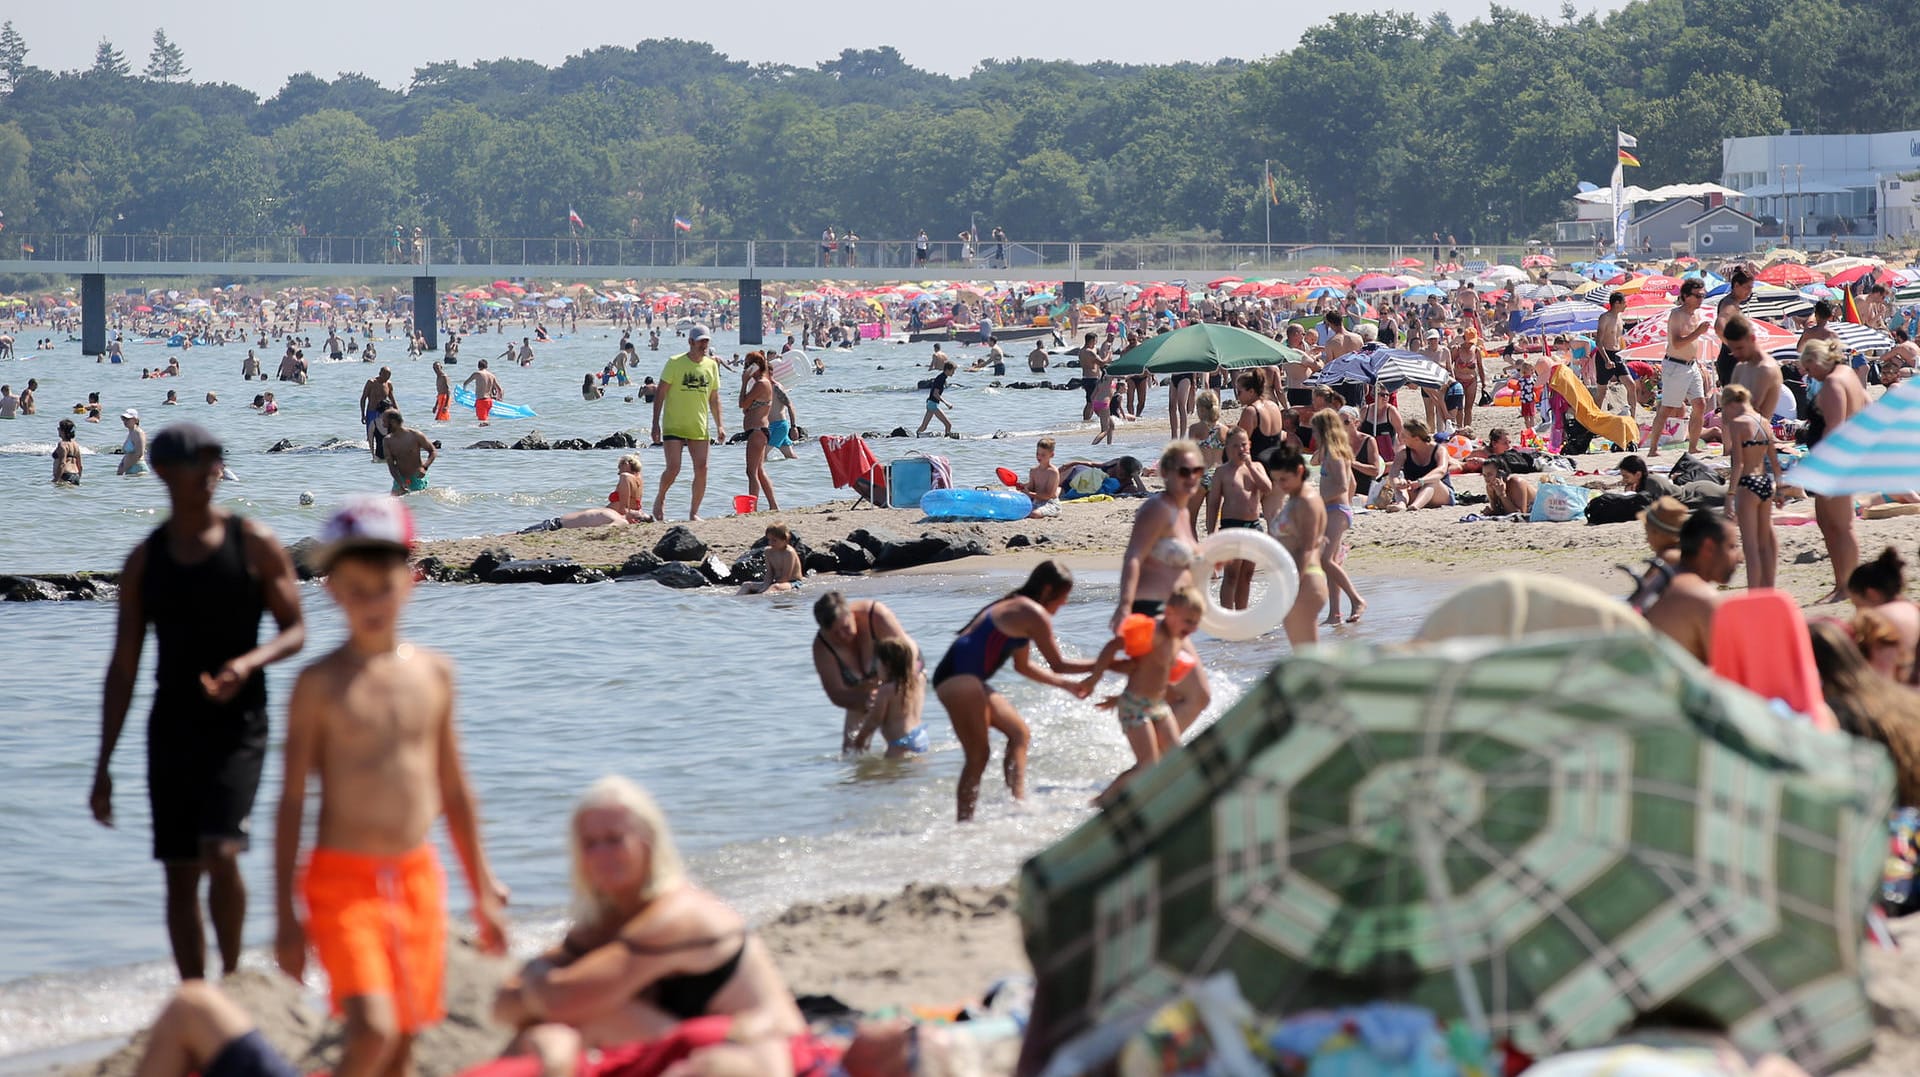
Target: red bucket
(745,504)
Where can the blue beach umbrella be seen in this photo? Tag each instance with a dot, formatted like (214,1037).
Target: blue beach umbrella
(1876,451)
(1600,270)
(1325,293)
(1572,316)
(1422,291)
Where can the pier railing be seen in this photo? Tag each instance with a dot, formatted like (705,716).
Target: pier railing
(625,256)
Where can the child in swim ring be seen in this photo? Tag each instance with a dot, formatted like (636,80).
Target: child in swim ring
(1159,653)
(895,707)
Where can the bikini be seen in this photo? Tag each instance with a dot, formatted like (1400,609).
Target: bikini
(851,677)
(1759,484)
(1174,553)
(685,995)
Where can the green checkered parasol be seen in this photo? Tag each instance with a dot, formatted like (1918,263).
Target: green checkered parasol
(1545,837)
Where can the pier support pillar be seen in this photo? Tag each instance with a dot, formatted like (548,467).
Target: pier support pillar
(426,310)
(93,314)
(751,333)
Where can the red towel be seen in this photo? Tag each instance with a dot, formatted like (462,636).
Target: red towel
(848,458)
(1760,642)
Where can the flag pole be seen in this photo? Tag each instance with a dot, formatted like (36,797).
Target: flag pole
(1266,199)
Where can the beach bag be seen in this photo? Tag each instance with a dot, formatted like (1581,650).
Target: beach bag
(1616,507)
(1518,461)
(1689,469)
(1578,438)
(1559,503)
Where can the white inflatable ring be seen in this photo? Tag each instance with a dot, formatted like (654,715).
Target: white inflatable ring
(1268,609)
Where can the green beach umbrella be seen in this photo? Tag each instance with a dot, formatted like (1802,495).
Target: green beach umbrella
(1203,347)
(1542,838)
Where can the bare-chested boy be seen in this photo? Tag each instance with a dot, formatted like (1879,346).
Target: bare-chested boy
(1145,718)
(1239,490)
(374,721)
(1043,482)
(409,454)
(783,564)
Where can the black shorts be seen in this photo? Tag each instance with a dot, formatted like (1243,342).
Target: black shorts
(1151,607)
(1088,385)
(1299,398)
(1609,367)
(203,771)
(249,1055)
(1354,395)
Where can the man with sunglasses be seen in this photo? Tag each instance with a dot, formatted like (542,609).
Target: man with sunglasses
(202,579)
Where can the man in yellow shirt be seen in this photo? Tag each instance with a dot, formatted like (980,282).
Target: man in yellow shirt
(689,393)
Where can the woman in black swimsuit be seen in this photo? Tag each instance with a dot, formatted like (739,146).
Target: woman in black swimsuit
(843,653)
(647,950)
(1259,416)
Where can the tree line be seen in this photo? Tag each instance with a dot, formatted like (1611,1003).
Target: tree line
(1380,127)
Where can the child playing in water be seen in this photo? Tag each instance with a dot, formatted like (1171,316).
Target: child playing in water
(783,564)
(374,722)
(894,709)
(1145,717)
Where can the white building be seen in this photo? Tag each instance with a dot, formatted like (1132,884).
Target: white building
(1816,185)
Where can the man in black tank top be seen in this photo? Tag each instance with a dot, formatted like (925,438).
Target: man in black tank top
(202,579)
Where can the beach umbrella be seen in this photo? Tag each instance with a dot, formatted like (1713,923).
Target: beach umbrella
(1321,280)
(1422,291)
(1571,316)
(1857,339)
(1771,302)
(1848,276)
(1787,275)
(1875,452)
(1376,282)
(1406,263)
(1202,347)
(1542,291)
(1536,261)
(1323,269)
(1223,282)
(1391,368)
(1542,837)
(1324,292)
(1503,274)
(1599,270)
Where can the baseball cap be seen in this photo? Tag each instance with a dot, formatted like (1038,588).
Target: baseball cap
(363,523)
(1433,334)
(698,332)
(184,443)
(1350,413)
(131,413)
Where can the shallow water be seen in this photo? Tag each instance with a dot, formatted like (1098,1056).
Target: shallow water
(869,388)
(708,699)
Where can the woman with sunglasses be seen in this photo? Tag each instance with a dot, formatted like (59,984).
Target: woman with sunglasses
(1160,556)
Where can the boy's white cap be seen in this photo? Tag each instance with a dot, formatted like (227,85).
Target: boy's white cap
(364,523)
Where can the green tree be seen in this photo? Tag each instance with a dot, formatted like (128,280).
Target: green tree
(16,179)
(13,55)
(1045,195)
(109,61)
(166,63)
(339,178)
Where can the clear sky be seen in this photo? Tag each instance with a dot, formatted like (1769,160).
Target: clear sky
(258,46)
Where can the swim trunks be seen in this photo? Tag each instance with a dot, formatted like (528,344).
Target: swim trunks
(1680,382)
(779,434)
(413,485)
(1152,607)
(483,407)
(440,408)
(203,771)
(379,927)
(249,1055)
(914,741)
(1226,523)
(1136,711)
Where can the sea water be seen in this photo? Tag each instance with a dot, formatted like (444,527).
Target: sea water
(708,699)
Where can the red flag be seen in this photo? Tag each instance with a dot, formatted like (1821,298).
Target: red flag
(574,218)
(1849,312)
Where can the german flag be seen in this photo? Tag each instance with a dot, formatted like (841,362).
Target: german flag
(1627,158)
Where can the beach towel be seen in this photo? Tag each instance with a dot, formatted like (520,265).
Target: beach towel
(849,459)
(942,470)
(1615,428)
(1760,642)
(1511,605)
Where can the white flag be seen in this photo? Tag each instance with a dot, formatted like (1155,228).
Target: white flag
(1627,141)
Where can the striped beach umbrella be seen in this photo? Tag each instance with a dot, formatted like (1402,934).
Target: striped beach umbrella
(1876,451)
(1856,338)
(1542,838)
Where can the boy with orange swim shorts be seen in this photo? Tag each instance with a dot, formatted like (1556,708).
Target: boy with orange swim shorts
(374,722)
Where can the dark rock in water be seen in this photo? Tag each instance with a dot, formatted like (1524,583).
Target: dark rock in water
(751,565)
(850,557)
(821,561)
(1000,435)
(927,550)
(532,443)
(433,568)
(571,445)
(640,564)
(738,439)
(678,574)
(1016,541)
(283,445)
(591,575)
(872,539)
(58,587)
(680,544)
(715,570)
(621,440)
(871,434)
(535,570)
(302,554)
(489,559)
(488,445)
(28,589)
(899,432)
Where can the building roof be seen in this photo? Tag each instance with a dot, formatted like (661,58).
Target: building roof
(1749,218)
(1689,204)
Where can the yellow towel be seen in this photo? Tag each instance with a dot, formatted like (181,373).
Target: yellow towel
(1619,429)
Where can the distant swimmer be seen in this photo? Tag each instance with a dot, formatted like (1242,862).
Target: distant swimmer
(409,454)
(67,467)
(9,403)
(1037,358)
(250,367)
(133,454)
